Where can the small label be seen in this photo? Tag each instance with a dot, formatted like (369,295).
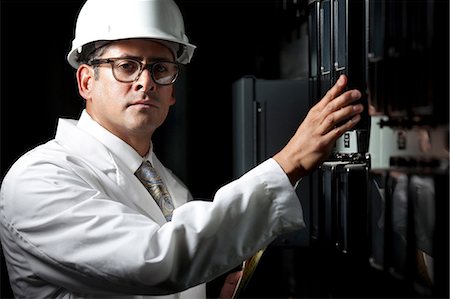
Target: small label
(347,140)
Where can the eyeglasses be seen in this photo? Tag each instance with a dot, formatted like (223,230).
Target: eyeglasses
(129,70)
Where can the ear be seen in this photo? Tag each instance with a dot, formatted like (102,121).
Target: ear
(85,77)
(172,99)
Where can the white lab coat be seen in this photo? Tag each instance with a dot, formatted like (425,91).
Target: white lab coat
(75,222)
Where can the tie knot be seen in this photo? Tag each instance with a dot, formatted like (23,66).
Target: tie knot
(147,173)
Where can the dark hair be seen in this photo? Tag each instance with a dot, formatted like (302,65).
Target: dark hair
(90,51)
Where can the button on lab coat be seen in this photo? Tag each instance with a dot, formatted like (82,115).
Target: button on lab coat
(76,222)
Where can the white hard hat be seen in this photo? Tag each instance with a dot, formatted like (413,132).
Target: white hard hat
(100,21)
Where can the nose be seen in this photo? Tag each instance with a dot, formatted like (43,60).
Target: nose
(145,81)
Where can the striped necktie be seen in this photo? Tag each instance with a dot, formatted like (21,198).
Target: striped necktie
(155,186)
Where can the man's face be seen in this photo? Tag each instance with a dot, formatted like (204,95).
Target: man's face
(129,110)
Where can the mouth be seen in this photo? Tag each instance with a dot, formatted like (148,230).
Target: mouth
(144,104)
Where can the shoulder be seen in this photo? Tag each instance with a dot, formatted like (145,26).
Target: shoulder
(42,165)
(50,152)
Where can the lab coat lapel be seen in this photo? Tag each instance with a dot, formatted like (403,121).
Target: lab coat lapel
(140,196)
(126,187)
(178,191)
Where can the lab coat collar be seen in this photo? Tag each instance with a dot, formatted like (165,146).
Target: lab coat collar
(113,143)
(85,146)
(130,158)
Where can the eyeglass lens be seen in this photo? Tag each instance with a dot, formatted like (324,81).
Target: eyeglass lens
(128,70)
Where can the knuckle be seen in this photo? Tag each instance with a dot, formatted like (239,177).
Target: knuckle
(330,119)
(349,110)
(313,110)
(331,106)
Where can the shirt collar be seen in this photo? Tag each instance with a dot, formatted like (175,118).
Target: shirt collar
(114,144)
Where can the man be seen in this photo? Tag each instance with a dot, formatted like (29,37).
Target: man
(79,216)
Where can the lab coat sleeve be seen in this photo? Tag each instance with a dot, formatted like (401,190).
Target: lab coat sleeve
(73,234)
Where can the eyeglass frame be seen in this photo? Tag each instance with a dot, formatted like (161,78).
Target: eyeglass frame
(149,66)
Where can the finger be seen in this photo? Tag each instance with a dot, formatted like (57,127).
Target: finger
(344,100)
(333,92)
(340,102)
(338,117)
(338,131)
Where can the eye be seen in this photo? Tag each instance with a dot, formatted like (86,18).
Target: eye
(127,66)
(160,68)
